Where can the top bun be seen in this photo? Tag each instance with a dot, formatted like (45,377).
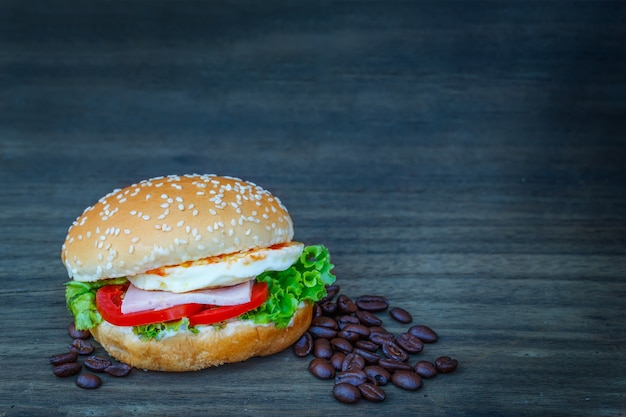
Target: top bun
(169,220)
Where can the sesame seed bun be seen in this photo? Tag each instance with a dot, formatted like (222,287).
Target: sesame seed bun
(170,220)
(236,341)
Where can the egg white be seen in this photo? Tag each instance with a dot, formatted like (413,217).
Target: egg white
(221,271)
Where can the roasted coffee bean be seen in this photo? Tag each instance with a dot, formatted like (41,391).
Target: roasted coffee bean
(393,365)
(379,334)
(346,393)
(97,363)
(324,321)
(343,321)
(372,392)
(425,333)
(352,377)
(322,349)
(446,364)
(378,374)
(322,332)
(66,369)
(425,369)
(337,360)
(393,351)
(341,345)
(88,381)
(353,361)
(351,336)
(370,357)
(361,330)
(367,345)
(317,310)
(304,345)
(332,290)
(368,319)
(400,315)
(118,369)
(407,380)
(321,368)
(345,305)
(77,334)
(82,347)
(328,308)
(372,303)
(63,358)
(410,343)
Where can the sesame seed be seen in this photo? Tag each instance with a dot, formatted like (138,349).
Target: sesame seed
(135,240)
(194,213)
(181,207)
(201,247)
(127,231)
(145,217)
(180,223)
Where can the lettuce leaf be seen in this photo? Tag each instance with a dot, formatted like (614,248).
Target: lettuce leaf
(306,280)
(80,298)
(157,331)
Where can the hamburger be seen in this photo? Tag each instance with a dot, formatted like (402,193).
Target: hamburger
(181,273)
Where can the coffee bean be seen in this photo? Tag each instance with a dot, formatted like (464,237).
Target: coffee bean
(322,349)
(370,357)
(425,369)
(361,330)
(372,303)
(88,381)
(367,345)
(63,358)
(97,363)
(321,368)
(80,346)
(322,332)
(341,345)
(77,334)
(317,310)
(331,292)
(353,361)
(352,377)
(393,365)
(377,374)
(66,369)
(425,333)
(304,345)
(337,360)
(345,305)
(407,380)
(446,364)
(329,308)
(400,315)
(368,319)
(118,369)
(345,320)
(393,351)
(410,343)
(324,321)
(379,334)
(372,392)
(346,393)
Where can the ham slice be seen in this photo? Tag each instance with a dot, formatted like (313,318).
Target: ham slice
(137,299)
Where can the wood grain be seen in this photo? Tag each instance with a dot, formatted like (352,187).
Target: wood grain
(464,158)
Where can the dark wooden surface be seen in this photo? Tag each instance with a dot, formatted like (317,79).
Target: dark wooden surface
(467,159)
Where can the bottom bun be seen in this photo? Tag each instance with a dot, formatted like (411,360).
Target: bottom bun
(213,346)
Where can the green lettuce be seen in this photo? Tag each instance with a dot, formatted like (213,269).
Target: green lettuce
(80,298)
(157,331)
(306,280)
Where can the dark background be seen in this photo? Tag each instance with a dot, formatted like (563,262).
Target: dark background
(466,158)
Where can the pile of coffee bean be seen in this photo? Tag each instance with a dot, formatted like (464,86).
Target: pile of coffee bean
(66,364)
(350,346)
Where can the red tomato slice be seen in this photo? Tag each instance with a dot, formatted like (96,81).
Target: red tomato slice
(109,304)
(216,314)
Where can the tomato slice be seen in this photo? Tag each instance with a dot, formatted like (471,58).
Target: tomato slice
(215,314)
(109,304)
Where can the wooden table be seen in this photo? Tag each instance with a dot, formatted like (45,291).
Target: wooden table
(466,159)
